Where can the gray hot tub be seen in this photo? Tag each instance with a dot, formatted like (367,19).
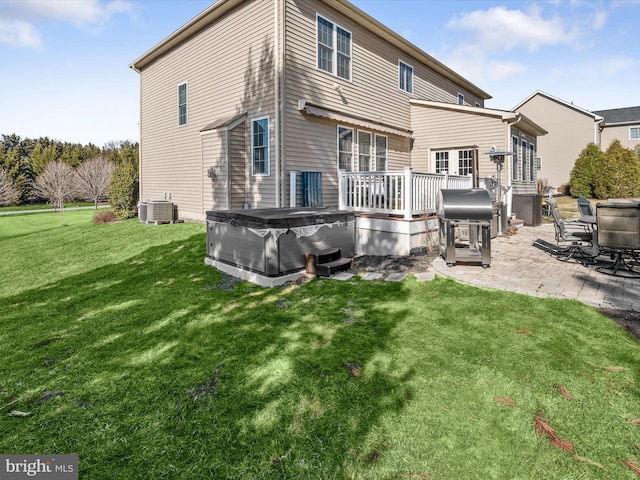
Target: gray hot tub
(272,241)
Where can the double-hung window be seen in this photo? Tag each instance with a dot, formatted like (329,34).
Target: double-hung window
(381,153)
(334,48)
(345,149)
(515,174)
(634,133)
(364,151)
(405,81)
(532,165)
(182,104)
(260,146)
(525,161)
(460,99)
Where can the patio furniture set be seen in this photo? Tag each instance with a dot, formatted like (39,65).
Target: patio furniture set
(609,235)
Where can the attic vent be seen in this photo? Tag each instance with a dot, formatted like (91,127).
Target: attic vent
(159,211)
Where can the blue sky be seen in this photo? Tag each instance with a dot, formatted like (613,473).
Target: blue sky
(65,70)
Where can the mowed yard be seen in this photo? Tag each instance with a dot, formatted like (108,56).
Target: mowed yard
(118,344)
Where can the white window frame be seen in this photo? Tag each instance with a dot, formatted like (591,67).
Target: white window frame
(436,154)
(405,81)
(338,151)
(524,145)
(377,156)
(183,105)
(466,156)
(634,133)
(532,168)
(460,99)
(265,147)
(334,48)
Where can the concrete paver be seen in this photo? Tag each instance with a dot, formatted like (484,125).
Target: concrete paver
(517,265)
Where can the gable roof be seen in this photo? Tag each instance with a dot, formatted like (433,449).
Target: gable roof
(570,105)
(221,7)
(620,115)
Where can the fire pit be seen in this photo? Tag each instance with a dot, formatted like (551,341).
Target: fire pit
(465,209)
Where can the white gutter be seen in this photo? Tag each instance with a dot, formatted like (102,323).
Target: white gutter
(596,128)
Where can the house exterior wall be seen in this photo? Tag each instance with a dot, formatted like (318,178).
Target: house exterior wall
(436,129)
(310,143)
(228,69)
(618,132)
(569,132)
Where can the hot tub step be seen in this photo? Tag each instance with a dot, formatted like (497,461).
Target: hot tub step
(329,268)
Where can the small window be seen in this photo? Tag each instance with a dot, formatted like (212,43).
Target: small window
(465,162)
(260,146)
(405,77)
(182,104)
(381,153)
(364,151)
(442,162)
(334,48)
(634,133)
(345,149)
(477,105)
(460,99)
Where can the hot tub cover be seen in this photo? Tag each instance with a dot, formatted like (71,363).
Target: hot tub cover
(279,218)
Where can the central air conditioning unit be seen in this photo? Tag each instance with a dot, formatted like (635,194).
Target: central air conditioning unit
(160,211)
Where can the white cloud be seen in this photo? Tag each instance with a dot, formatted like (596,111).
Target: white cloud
(20,17)
(17,33)
(500,29)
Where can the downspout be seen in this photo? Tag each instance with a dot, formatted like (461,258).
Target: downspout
(276,27)
(510,164)
(596,130)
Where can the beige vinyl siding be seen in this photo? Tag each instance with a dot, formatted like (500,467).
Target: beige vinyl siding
(570,131)
(372,94)
(238,166)
(214,196)
(618,132)
(437,129)
(229,70)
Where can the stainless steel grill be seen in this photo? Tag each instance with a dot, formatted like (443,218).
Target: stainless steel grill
(467,210)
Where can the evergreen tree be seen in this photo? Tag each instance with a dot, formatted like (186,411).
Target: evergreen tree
(618,173)
(581,182)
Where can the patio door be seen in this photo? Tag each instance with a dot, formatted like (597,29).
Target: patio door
(452,161)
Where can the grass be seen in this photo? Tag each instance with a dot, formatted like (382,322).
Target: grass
(125,349)
(43,206)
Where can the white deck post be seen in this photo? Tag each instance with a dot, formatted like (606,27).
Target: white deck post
(408,193)
(292,188)
(341,190)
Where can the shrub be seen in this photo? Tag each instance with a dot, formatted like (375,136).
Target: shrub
(581,183)
(618,173)
(123,191)
(105,216)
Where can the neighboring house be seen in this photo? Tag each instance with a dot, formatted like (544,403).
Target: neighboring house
(570,128)
(252,90)
(620,124)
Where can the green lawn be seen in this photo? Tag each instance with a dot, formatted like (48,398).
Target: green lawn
(125,349)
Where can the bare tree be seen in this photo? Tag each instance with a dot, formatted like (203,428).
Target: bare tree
(93,177)
(8,191)
(57,184)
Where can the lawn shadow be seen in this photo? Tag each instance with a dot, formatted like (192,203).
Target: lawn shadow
(176,367)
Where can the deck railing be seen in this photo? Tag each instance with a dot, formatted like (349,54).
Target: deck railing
(406,192)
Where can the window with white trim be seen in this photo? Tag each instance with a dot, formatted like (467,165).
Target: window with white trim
(525,161)
(460,99)
(364,151)
(260,146)
(381,153)
(442,162)
(405,80)
(634,133)
(532,165)
(182,104)
(465,162)
(345,148)
(334,48)
(515,166)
